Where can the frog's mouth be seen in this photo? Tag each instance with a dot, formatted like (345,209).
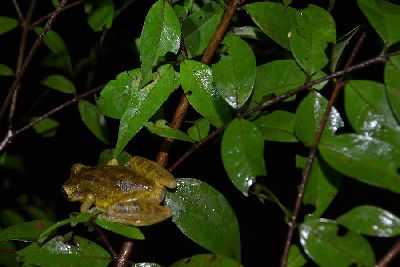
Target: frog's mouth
(69,194)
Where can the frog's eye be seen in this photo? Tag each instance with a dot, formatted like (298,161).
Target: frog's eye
(77,167)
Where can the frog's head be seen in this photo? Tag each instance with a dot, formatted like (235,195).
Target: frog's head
(72,187)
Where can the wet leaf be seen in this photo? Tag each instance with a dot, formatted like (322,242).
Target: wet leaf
(107,155)
(371,220)
(249,32)
(322,185)
(143,104)
(204,215)
(384,17)
(392,82)
(7,24)
(161,33)
(161,128)
(235,73)
(199,27)
(308,117)
(277,126)
(273,19)
(322,243)
(366,159)
(94,120)
(338,48)
(209,260)
(25,231)
(147,264)
(59,83)
(242,152)
(199,130)
(197,82)
(309,38)
(46,127)
(369,111)
(6,70)
(57,253)
(295,259)
(131,232)
(116,95)
(275,78)
(102,17)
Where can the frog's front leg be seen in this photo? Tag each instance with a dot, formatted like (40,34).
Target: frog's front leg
(87,202)
(138,213)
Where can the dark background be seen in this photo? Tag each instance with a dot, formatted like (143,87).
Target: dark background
(46,161)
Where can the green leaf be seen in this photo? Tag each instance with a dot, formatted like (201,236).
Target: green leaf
(161,34)
(204,215)
(94,120)
(369,112)
(384,17)
(235,73)
(366,159)
(295,259)
(143,104)
(102,17)
(308,117)
(197,82)
(6,70)
(275,78)
(8,259)
(200,129)
(121,229)
(26,231)
(161,128)
(116,95)
(46,127)
(309,38)
(277,126)
(392,82)
(59,83)
(7,24)
(147,264)
(10,217)
(242,152)
(322,185)
(57,253)
(249,32)
(209,260)
(322,243)
(107,155)
(263,193)
(199,27)
(56,45)
(371,220)
(338,48)
(274,20)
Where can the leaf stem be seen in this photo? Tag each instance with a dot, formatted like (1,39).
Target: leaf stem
(393,252)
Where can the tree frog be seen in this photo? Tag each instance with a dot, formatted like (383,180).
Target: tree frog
(129,194)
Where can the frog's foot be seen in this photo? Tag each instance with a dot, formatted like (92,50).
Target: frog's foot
(138,213)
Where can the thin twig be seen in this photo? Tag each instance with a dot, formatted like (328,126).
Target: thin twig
(28,59)
(393,252)
(123,256)
(313,149)
(12,134)
(104,239)
(18,10)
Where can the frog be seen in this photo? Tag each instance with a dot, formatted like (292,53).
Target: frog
(130,194)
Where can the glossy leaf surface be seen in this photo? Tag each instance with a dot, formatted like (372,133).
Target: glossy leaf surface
(199,130)
(143,104)
(94,120)
(26,231)
(59,83)
(363,158)
(209,260)
(57,253)
(384,17)
(392,82)
(235,73)
(121,229)
(161,33)
(47,127)
(309,38)
(161,128)
(277,126)
(204,215)
(6,70)
(197,82)
(102,17)
(199,27)
(107,155)
(308,117)
(371,220)
(321,242)
(242,152)
(7,24)
(274,20)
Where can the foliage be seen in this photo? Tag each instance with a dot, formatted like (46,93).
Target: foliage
(242,98)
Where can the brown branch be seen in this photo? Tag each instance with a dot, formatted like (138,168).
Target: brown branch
(125,252)
(28,59)
(12,134)
(18,10)
(313,150)
(393,252)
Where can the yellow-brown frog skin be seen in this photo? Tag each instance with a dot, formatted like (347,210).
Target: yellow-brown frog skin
(128,194)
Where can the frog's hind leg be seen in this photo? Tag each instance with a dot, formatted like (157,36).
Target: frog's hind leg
(138,213)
